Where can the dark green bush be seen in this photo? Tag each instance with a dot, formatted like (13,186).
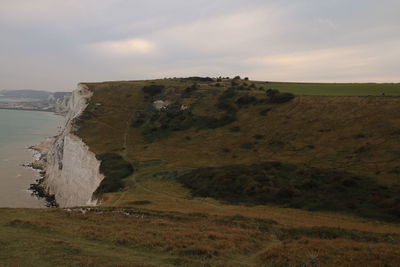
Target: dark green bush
(247,145)
(114,168)
(259,136)
(282,98)
(246,100)
(288,185)
(234,129)
(265,111)
(277,97)
(198,79)
(153,89)
(191,89)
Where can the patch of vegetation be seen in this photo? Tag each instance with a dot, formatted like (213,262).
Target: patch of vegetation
(187,92)
(226,100)
(359,136)
(247,145)
(153,89)
(259,136)
(198,79)
(277,97)
(158,124)
(246,100)
(264,111)
(140,202)
(114,168)
(235,129)
(285,184)
(323,232)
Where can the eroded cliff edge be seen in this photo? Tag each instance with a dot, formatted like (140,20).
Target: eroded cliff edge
(71,169)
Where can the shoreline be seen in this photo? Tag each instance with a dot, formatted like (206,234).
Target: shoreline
(27,109)
(37,189)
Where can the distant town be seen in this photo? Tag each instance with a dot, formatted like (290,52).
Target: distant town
(34,100)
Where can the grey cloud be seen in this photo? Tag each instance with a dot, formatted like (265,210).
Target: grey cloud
(54,44)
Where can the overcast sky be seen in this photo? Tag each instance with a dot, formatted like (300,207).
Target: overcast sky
(54,44)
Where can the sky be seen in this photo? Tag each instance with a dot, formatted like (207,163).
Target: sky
(55,44)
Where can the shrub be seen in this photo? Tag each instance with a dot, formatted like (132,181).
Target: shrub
(247,145)
(140,202)
(246,100)
(234,129)
(204,122)
(198,79)
(272,92)
(237,77)
(226,150)
(282,98)
(288,185)
(259,136)
(225,100)
(265,111)
(153,89)
(277,97)
(114,168)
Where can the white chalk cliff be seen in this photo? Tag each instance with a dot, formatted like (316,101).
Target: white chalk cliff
(72,170)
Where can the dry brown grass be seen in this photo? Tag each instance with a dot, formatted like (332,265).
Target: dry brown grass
(340,252)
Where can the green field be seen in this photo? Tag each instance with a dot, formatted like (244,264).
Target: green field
(336,89)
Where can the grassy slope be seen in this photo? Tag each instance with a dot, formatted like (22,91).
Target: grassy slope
(314,131)
(338,89)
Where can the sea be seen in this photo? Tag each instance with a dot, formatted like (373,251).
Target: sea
(20,129)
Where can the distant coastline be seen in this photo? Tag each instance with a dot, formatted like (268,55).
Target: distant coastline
(27,109)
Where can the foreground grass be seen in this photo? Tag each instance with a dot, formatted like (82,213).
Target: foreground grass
(137,237)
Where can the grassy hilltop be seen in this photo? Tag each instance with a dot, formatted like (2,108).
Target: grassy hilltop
(228,172)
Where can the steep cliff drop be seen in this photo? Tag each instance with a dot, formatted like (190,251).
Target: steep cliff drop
(71,169)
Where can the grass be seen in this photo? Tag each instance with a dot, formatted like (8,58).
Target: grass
(156,221)
(336,89)
(136,237)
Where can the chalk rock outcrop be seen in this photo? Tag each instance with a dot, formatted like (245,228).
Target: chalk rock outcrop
(72,170)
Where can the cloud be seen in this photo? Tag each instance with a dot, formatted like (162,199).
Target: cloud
(362,63)
(130,47)
(288,40)
(223,34)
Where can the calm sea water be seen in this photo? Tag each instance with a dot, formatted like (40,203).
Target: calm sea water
(19,130)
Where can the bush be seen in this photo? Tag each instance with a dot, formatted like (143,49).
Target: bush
(198,79)
(225,101)
(114,168)
(234,129)
(282,98)
(246,100)
(265,111)
(259,136)
(190,89)
(247,145)
(288,185)
(153,89)
(277,97)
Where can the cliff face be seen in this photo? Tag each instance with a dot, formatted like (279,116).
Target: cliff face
(72,170)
